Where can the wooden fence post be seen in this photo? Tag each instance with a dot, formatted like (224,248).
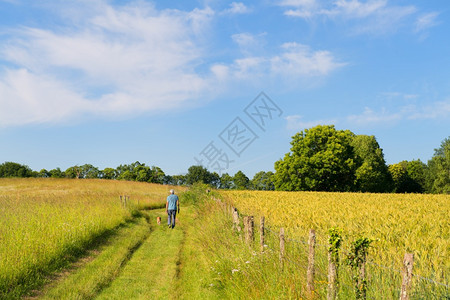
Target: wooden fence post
(311,260)
(236,220)
(282,246)
(362,284)
(248,229)
(407,276)
(261,233)
(332,277)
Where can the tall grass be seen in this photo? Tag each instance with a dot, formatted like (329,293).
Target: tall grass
(46,223)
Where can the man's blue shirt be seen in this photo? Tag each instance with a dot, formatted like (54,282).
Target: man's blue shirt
(172,200)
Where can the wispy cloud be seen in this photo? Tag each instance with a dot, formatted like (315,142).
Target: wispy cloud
(367,17)
(439,110)
(295,61)
(426,21)
(297,122)
(301,60)
(237,8)
(248,43)
(398,95)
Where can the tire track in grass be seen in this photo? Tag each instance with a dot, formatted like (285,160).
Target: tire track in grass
(152,271)
(87,281)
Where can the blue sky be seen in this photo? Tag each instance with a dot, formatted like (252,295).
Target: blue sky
(168,82)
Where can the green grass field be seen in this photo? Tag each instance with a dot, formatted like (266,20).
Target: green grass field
(73,239)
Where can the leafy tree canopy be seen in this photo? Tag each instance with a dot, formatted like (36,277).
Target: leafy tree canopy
(12,169)
(438,173)
(321,159)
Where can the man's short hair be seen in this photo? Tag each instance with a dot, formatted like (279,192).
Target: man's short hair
(172,191)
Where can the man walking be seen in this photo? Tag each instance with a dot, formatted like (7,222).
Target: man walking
(171,208)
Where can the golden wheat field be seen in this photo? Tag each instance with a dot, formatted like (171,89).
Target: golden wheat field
(399,223)
(43,221)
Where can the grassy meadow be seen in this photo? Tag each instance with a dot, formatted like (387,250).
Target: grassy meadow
(46,223)
(77,236)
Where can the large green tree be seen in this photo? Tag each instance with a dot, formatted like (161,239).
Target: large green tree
(321,159)
(372,174)
(438,172)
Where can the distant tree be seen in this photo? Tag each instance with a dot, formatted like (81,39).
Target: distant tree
(408,176)
(241,181)
(416,175)
(198,174)
(127,175)
(168,180)
(88,171)
(56,173)
(156,175)
(215,180)
(43,174)
(73,172)
(12,169)
(372,174)
(178,180)
(140,172)
(109,173)
(143,173)
(438,171)
(263,181)
(131,170)
(321,159)
(226,181)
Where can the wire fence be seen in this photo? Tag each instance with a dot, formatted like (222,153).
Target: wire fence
(381,277)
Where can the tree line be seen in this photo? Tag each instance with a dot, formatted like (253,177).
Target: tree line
(320,159)
(141,172)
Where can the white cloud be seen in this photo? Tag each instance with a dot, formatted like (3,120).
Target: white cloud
(370,116)
(237,8)
(426,21)
(304,14)
(298,3)
(436,110)
(296,122)
(26,98)
(244,39)
(294,61)
(300,60)
(432,111)
(248,43)
(372,16)
(357,9)
(398,95)
(124,60)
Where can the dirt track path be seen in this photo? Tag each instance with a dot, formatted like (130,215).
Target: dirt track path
(151,271)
